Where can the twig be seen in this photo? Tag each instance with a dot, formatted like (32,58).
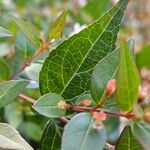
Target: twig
(26,98)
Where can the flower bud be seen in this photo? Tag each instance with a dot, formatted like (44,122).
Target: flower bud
(63,105)
(99,115)
(85,102)
(110,87)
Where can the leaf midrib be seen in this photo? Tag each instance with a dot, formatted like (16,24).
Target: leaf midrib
(89,50)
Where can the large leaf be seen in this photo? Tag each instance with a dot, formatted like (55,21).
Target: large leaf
(127,141)
(24,49)
(58,26)
(142,133)
(11,139)
(5,33)
(106,70)
(128,80)
(142,58)
(79,134)
(51,138)
(30,31)
(67,69)
(47,105)
(9,91)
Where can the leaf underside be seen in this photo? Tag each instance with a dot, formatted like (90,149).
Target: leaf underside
(68,68)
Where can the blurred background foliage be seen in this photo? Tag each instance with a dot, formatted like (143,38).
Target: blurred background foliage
(16,50)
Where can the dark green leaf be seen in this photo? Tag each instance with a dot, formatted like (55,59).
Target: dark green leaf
(67,69)
(30,31)
(9,91)
(128,80)
(24,49)
(127,141)
(58,26)
(5,71)
(79,134)
(104,71)
(142,133)
(11,139)
(47,105)
(5,33)
(143,57)
(51,138)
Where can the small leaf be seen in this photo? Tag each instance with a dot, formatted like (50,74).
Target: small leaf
(58,26)
(9,91)
(104,71)
(79,134)
(67,70)
(5,71)
(127,141)
(142,133)
(143,57)
(128,80)
(51,138)
(30,31)
(5,33)
(24,49)
(47,105)
(11,139)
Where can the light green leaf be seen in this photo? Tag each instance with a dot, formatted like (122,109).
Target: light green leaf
(24,49)
(5,33)
(104,71)
(5,49)
(127,141)
(143,57)
(30,31)
(58,26)
(5,71)
(51,138)
(142,133)
(128,80)
(9,91)
(13,114)
(47,105)
(68,68)
(79,134)
(11,139)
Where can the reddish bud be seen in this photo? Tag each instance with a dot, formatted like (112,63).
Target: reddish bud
(99,116)
(85,102)
(63,105)
(110,87)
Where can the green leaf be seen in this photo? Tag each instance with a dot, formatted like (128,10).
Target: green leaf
(31,130)
(11,139)
(142,133)
(142,58)
(5,49)
(79,134)
(9,91)
(24,49)
(51,138)
(104,71)
(67,69)
(13,114)
(30,31)
(127,141)
(5,71)
(128,80)
(58,26)
(47,105)
(5,33)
